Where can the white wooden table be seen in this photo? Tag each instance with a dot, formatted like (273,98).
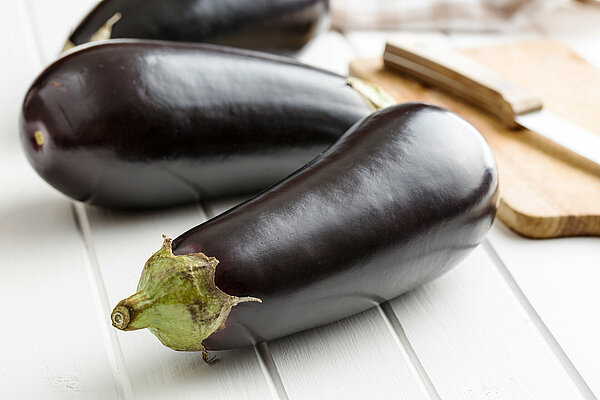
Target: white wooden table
(518,319)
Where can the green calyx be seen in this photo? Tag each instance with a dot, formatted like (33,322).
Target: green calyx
(177,300)
(375,96)
(103,33)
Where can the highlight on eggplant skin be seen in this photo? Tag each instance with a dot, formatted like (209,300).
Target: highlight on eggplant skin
(133,124)
(398,200)
(276,25)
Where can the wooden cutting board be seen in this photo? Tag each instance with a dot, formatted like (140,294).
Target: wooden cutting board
(545,191)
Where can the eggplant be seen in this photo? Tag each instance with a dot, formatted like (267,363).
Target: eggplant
(397,201)
(131,124)
(277,25)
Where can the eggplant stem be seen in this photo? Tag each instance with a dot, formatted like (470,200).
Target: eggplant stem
(373,94)
(103,33)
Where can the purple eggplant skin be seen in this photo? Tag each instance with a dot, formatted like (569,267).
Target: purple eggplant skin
(284,25)
(134,124)
(397,201)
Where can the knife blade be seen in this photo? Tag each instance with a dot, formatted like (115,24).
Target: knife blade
(514,106)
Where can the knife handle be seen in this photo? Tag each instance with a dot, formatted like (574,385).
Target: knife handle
(449,70)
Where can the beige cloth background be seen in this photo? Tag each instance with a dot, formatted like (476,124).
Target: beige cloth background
(458,15)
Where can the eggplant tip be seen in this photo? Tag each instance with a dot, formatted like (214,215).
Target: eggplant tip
(39,137)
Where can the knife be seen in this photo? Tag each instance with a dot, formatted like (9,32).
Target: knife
(514,106)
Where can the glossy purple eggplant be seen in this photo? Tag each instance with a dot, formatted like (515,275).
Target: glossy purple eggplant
(397,201)
(277,25)
(136,124)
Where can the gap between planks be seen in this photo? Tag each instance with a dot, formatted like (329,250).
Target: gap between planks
(111,341)
(267,364)
(539,324)
(395,327)
(112,346)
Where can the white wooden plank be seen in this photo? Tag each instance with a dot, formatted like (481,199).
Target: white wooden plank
(560,278)
(123,242)
(371,44)
(51,339)
(54,21)
(19,67)
(368,44)
(475,340)
(330,51)
(358,357)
